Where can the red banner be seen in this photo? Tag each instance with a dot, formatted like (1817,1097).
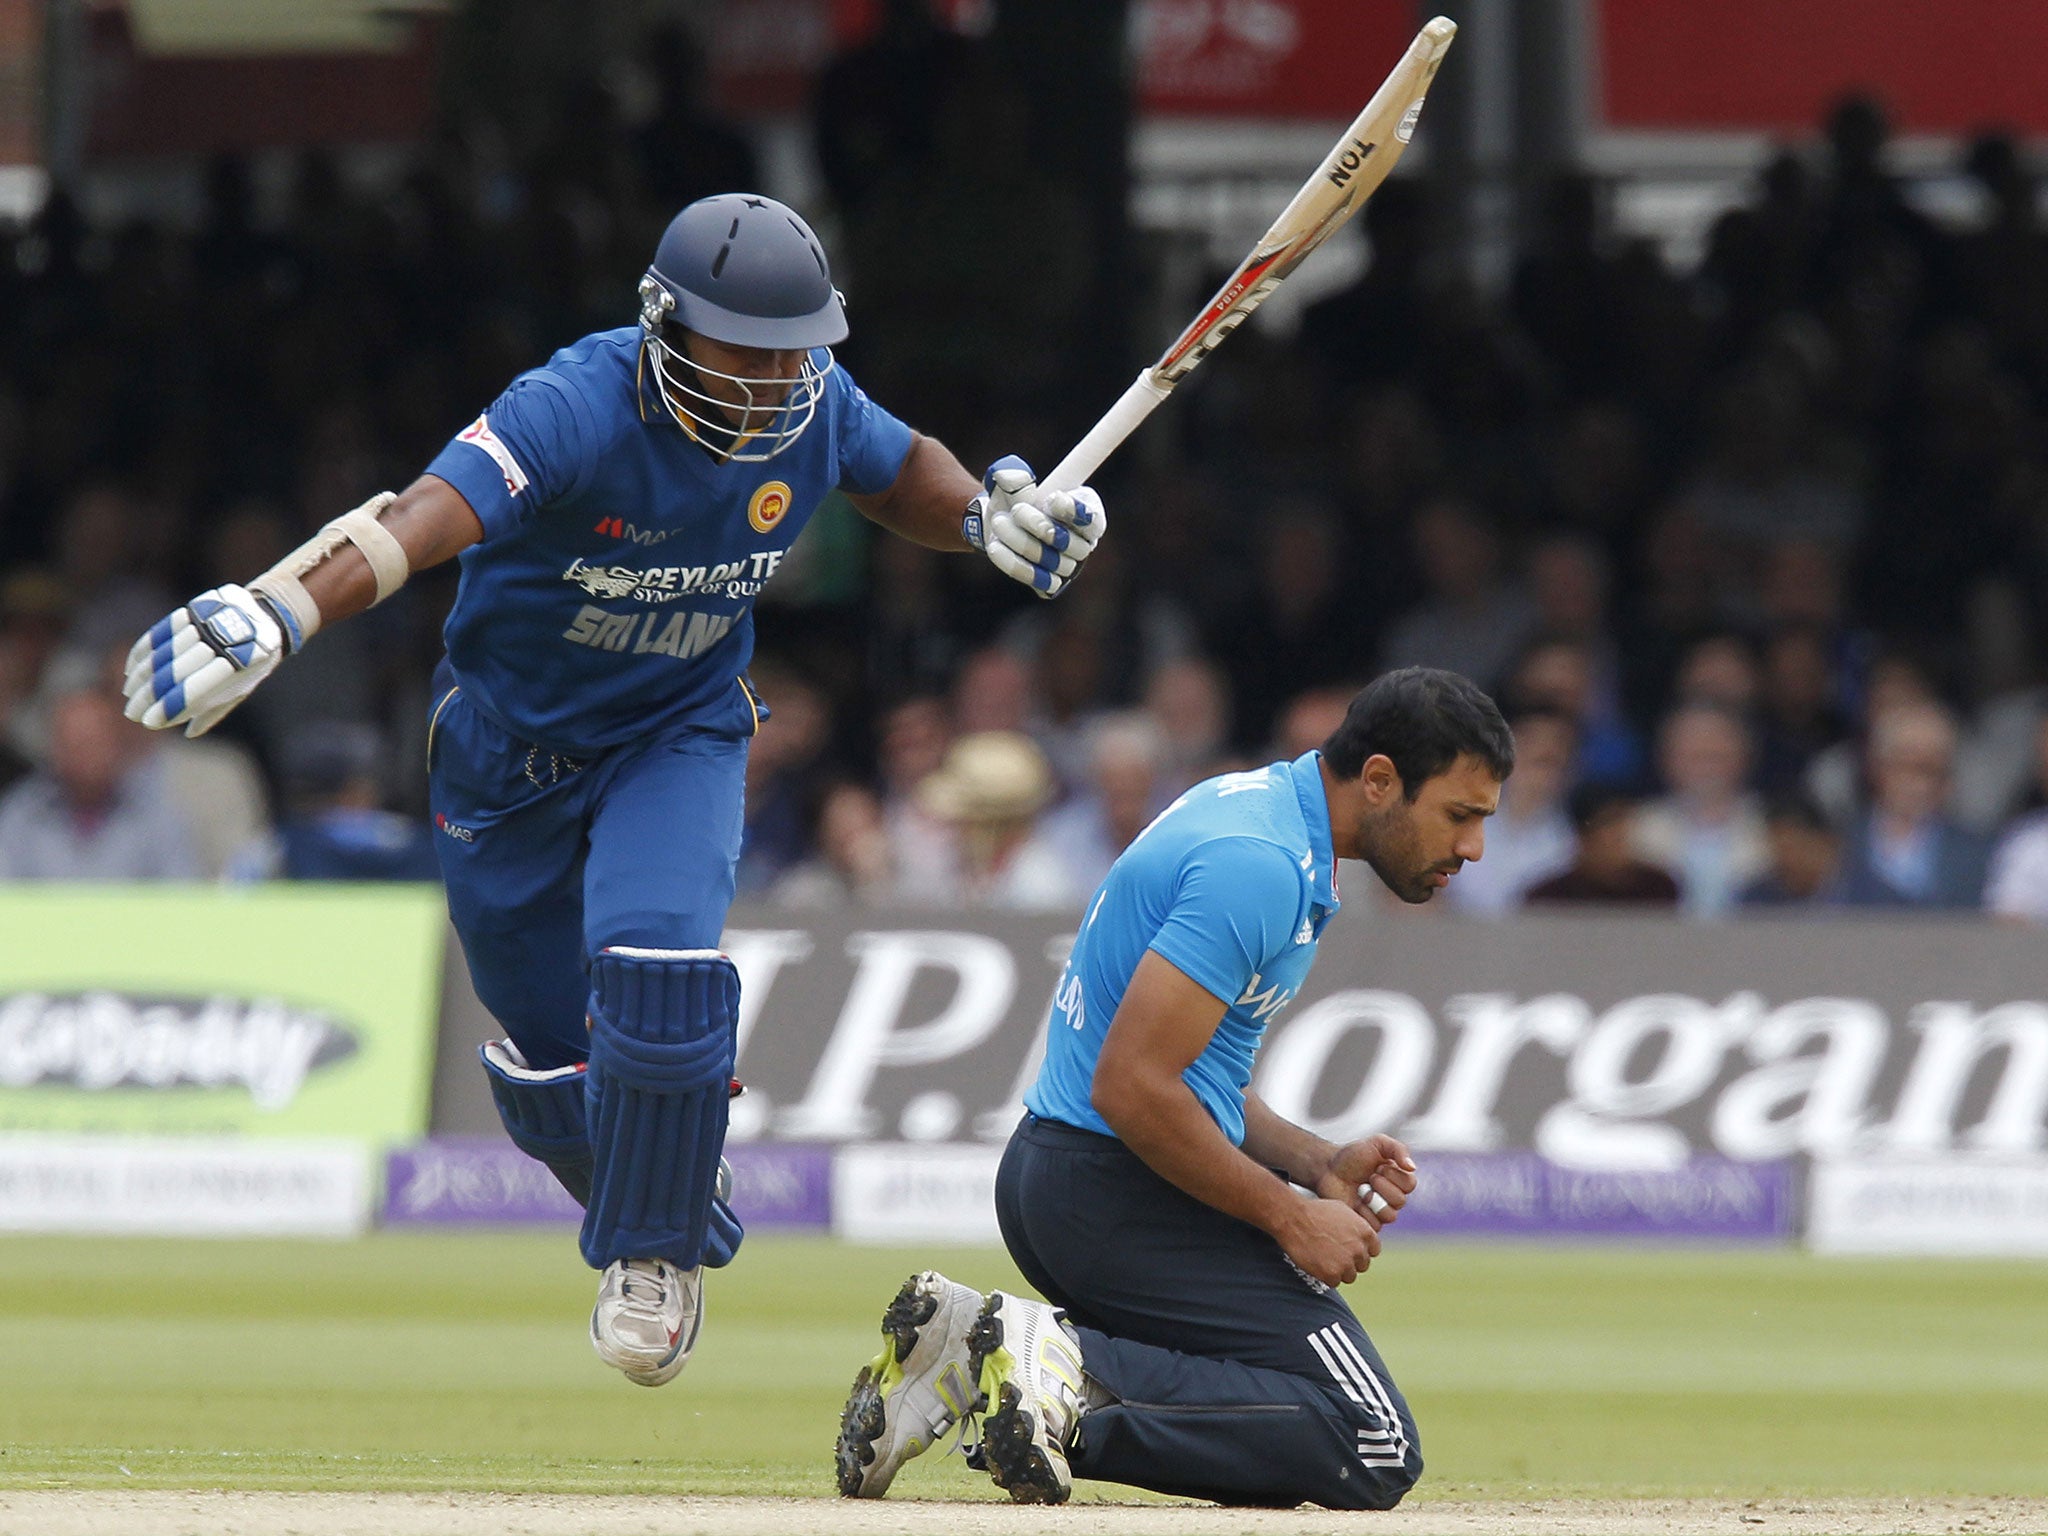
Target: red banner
(1952,66)
(1313,59)
(1310,59)
(189,104)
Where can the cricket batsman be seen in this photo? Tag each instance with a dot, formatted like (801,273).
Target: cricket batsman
(617,511)
(1189,1241)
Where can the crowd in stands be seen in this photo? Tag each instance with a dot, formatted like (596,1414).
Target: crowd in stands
(1754,555)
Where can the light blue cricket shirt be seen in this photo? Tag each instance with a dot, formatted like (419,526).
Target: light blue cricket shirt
(1231,885)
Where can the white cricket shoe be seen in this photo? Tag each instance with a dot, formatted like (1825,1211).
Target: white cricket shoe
(1028,1368)
(646,1319)
(917,1388)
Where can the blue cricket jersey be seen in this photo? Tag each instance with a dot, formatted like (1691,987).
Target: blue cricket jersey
(612,596)
(1231,885)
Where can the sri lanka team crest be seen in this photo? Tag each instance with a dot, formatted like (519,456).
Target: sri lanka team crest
(768,505)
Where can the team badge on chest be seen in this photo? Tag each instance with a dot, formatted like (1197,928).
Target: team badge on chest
(768,505)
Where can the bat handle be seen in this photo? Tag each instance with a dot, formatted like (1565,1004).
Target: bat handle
(1118,423)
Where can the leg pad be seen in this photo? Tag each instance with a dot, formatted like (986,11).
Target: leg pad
(661,1058)
(543,1113)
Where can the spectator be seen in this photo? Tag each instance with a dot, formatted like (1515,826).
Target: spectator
(1905,851)
(875,106)
(990,790)
(1767,473)
(1707,830)
(1798,719)
(1121,795)
(1560,674)
(1604,869)
(1827,435)
(1188,701)
(1836,776)
(1472,619)
(1568,583)
(2017,889)
(335,826)
(1071,682)
(853,864)
(995,691)
(782,776)
(915,734)
(1530,838)
(1679,591)
(682,151)
(1297,626)
(96,810)
(212,781)
(1307,721)
(33,608)
(1719,669)
(1806,854)
(109,599)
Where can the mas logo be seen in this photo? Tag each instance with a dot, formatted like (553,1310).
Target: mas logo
(768,506)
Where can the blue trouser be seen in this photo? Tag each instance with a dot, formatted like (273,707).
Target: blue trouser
(549,859)
(1236,1379)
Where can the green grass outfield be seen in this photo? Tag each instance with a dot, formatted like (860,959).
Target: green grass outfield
(412,1362)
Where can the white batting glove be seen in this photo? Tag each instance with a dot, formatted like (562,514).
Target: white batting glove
(199,662)
(1032,535)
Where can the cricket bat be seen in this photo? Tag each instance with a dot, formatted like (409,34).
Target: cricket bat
(1350,174)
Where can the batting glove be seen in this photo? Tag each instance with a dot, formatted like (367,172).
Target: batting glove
(1032,535)
(200,661)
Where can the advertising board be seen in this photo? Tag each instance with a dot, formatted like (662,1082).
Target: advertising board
(205,1062)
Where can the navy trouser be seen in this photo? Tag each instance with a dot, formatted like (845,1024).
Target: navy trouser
(549,859)
(1237,1379)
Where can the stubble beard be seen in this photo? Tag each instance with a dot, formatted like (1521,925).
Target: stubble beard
(1389,848)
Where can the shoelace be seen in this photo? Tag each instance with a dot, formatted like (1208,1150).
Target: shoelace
(967,1437)
(650,1279)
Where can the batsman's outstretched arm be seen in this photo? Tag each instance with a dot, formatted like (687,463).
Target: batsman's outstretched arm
(1032,535)
(927,500)
(1164,1022)
(199,661)
(431,522)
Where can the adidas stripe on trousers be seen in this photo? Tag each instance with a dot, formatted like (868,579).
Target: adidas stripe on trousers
(1237,1378)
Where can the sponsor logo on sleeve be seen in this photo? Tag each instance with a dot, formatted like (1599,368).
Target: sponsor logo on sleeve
(768,506)
(479,434)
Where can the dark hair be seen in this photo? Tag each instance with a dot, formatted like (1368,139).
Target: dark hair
(1532,711)
(1589,802)
(1423,720)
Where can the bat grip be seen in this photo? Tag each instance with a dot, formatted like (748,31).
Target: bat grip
(1117,423)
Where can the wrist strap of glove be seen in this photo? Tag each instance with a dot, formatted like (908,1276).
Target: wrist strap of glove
(278,604)
(973,527)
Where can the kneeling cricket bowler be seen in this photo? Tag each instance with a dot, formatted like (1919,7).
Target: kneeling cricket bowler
(1194,1343)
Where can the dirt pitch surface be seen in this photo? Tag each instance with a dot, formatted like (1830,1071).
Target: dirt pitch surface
(331,1514)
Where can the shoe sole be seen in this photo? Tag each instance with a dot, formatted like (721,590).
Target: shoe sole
(1012,1440)
(865,1418)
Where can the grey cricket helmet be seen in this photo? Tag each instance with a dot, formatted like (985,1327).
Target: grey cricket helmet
(745,270)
